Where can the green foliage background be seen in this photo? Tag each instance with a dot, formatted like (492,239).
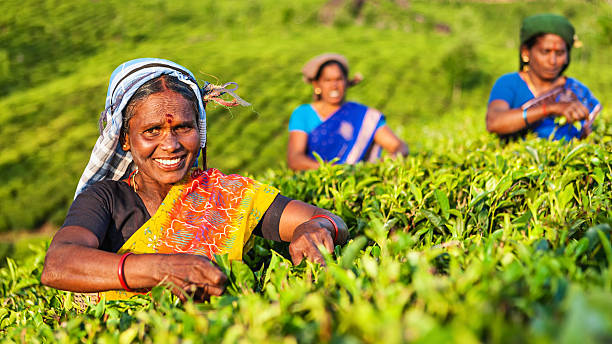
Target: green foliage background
(56,57)
(465,240)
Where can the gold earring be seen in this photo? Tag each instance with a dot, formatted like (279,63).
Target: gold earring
(125,147)
(317,90)
(525,59)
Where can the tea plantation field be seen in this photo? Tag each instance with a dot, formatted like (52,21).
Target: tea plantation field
(478,242)
(466,240)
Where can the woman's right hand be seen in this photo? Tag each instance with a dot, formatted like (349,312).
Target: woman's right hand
(572,111)
(189,275)
(75,263)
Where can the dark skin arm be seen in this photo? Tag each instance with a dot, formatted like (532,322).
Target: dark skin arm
(390,142)
(503,120)
(306,235)
(296,152)
(298,140)
(75,263)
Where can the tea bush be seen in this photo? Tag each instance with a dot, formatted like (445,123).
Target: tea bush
(477,242)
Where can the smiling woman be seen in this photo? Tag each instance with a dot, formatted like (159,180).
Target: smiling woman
(531,99)
(333,128)
(162,135)
(144,214)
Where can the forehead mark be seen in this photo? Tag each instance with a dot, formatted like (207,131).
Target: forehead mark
(169,118)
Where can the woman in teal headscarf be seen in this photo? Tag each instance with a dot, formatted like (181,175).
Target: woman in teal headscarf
(539,98)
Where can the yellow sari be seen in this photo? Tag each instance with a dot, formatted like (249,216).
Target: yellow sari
(207,213)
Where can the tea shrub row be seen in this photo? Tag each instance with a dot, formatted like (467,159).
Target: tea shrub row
(478,242)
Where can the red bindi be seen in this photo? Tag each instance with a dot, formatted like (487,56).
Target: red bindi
(169,118)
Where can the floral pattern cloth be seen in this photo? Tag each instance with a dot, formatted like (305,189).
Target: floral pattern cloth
(208,213)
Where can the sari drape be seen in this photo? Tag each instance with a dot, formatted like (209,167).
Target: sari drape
(572,90)
(207,213)
(347,135)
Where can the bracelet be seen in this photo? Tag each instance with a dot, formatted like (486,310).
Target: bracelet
(330,220)
(121,273)
(525,117)
(544,109)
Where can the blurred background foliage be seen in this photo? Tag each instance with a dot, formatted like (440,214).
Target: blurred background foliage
(422,61)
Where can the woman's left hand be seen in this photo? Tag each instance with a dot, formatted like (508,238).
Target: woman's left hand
(306,234)
(306,240)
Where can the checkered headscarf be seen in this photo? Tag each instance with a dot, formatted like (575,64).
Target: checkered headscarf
(108,160)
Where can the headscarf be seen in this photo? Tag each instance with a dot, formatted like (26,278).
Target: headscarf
(547,23)
(312,67)
(108,160)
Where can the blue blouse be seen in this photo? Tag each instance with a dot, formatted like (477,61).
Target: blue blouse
(305,118)
(512,89)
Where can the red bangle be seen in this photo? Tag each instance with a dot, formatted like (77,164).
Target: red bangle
(120,272)
(544,109)
(330,220)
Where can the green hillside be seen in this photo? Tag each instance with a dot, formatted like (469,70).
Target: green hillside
(422,61)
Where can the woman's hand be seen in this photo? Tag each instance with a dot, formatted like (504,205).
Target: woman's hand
(191,275)
(306,234)
(306,240)
(572,111)
(75,263)
(390,142)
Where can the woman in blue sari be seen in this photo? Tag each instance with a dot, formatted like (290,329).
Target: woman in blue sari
(539,98)
(331,127)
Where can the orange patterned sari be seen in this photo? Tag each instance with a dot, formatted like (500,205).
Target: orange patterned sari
(207,213)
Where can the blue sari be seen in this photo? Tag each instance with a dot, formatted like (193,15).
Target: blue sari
(572,90)
(347,135)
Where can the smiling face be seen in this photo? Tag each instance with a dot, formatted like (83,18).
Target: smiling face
(332,83)
(163,137)
(547,57)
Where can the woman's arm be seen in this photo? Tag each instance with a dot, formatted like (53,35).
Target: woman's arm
(305,234)
(73,262)
(296,152)
(389,142)
(503,120)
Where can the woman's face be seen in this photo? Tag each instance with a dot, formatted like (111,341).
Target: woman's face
(547,57)
(163,137)
(332,83)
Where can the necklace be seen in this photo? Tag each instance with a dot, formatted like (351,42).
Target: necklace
(530,84)
(132,180)
(558,81)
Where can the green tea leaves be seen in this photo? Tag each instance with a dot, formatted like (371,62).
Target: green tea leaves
(443,202)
